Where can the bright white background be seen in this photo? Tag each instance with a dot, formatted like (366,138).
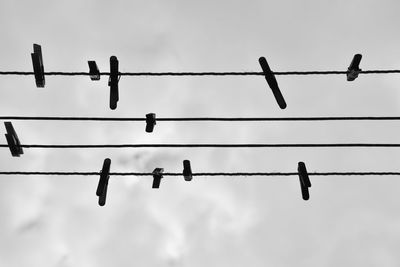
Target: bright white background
(55,221)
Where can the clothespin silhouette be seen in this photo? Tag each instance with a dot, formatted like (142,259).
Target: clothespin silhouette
(150,122)
(187,170)
(38,68)
(354,68)
(13,140)
(113,82)
(157,176)
(273,84)
(101,191)
(304,180)
(93,70)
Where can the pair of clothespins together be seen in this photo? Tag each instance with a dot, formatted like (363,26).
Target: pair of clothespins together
(352,74)
(102,186)
(158,174)
(112,81)
(38,69)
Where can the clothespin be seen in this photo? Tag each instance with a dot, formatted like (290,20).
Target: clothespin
(113,82)
(354,68)
(187,170)
(93,70)
(38,68)
(157,176)
(304,180)
(101,191)
(12,140)
(150,122)
(273,84)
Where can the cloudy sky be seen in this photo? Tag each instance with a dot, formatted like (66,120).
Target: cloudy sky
(214,221)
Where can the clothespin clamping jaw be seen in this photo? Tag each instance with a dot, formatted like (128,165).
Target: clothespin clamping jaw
(354,68)
(38,68)
(187,170)
(113,82)
(12,140)
(150,122)
(102,186)
(93,70)
(304,180)
(273,84)
(157,176)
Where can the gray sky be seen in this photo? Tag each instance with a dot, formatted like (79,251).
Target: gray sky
(55,221)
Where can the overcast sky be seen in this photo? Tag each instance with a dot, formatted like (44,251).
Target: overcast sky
(214,221)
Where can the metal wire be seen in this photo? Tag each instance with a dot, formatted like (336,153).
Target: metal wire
(208,73)
(204,173)
(203,145)
(327,118)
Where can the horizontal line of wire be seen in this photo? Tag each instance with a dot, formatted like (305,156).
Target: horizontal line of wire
(205,173)
(54,118)
(205,145)
(233,73)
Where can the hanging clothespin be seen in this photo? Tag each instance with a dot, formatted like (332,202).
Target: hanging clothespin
(273,84)
(38,68)
(157,176)
(93,70)
(101,191)
(150,122)
(13,140)
(304,180)
(354,68)
(187,170)
(113,82)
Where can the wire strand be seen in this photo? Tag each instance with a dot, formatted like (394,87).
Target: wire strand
(203,145)
(204,173)
(329,118)
(210,73)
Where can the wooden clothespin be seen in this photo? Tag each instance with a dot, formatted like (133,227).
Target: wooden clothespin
(157,176)
(187,170)
(38,68)
(113,82)
(13,140)
(354,68)
(304,180)
(93,70)
(101,191)
(150,122)
(273,84)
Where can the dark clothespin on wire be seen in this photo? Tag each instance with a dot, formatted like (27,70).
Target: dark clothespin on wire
(273,84)
(157,176)
(13,140)
(150,122)
(113,82)
(354,68)
(93,70)
(38,68)
(304,180)
(187,170)
(101,191)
